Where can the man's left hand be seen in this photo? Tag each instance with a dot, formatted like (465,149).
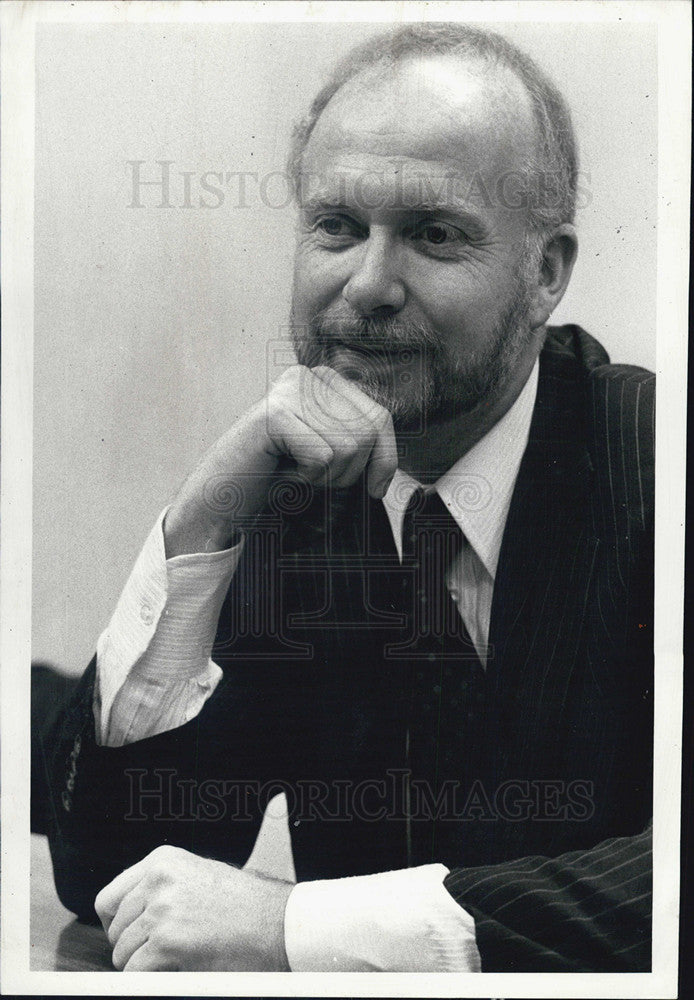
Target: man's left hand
(176,911)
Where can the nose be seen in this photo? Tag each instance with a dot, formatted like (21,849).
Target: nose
(375,286)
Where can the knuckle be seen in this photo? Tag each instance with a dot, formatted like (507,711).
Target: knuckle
(164,857)
(165,901)
(285,387)
(274,407)
(276,411)
(158,876)
(348,444)
(163,851)
(380,417)
(160,871)
(320,452)
(323,371)
(319,461)
(291,373)
(367,437)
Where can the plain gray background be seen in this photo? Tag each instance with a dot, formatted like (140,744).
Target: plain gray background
(151,324)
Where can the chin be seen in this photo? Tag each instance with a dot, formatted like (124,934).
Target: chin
(408,409)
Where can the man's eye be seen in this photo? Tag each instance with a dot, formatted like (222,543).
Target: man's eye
(334,225)
(437,234)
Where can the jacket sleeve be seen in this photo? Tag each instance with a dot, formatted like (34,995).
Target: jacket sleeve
(585,911)
(202,786)
(199,787)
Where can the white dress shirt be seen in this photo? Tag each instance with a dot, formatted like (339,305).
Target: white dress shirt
(154,673)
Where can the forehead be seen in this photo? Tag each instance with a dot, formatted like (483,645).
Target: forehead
(435,117)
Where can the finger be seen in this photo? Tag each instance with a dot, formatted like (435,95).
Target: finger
(131,907)
(352,465)
(311,395)
(321,457)
(148,958)
(356,405)
(350,455)
(347,389)
(321,405)
(109,899)
(329,401)
(133,937)
(384,459)
(366,421)
(291,436)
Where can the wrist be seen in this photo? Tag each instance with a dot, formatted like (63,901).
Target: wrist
(395,921)
(284,891)
(186,531)
(225,493)
(273,896)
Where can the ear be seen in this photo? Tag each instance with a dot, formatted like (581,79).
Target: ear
(558,258)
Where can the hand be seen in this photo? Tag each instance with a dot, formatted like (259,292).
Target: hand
(323,422)
(176,911)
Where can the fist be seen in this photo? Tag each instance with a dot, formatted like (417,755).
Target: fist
(313,417)
(330,428)
(176,911)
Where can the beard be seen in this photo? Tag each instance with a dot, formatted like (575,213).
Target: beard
(404,366)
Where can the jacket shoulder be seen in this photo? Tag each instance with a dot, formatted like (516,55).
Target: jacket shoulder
(618,404)
(623,393)
(621,408)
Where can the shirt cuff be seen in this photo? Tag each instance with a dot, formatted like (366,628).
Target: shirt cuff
(398,921)
(153,659)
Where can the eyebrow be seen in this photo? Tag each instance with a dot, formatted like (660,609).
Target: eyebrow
(458,211)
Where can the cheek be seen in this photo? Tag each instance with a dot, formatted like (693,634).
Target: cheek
(462,304)
(318,280)
(460,320)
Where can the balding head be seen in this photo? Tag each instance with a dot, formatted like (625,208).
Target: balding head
(452,55)
(441,123)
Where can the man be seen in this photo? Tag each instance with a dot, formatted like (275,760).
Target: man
(459,715)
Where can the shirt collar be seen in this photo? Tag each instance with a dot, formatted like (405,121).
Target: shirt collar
(478,488)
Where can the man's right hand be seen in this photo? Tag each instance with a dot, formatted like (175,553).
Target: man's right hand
(330,428)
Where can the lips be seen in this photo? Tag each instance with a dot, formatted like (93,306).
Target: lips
(393,354)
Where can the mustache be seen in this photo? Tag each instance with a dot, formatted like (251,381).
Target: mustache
(332,328)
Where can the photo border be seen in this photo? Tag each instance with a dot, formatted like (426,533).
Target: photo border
(17,66)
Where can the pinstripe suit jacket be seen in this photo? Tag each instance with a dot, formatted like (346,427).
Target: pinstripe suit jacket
(531,779)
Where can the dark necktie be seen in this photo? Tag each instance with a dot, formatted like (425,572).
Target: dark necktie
(431,541)
(446,677)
